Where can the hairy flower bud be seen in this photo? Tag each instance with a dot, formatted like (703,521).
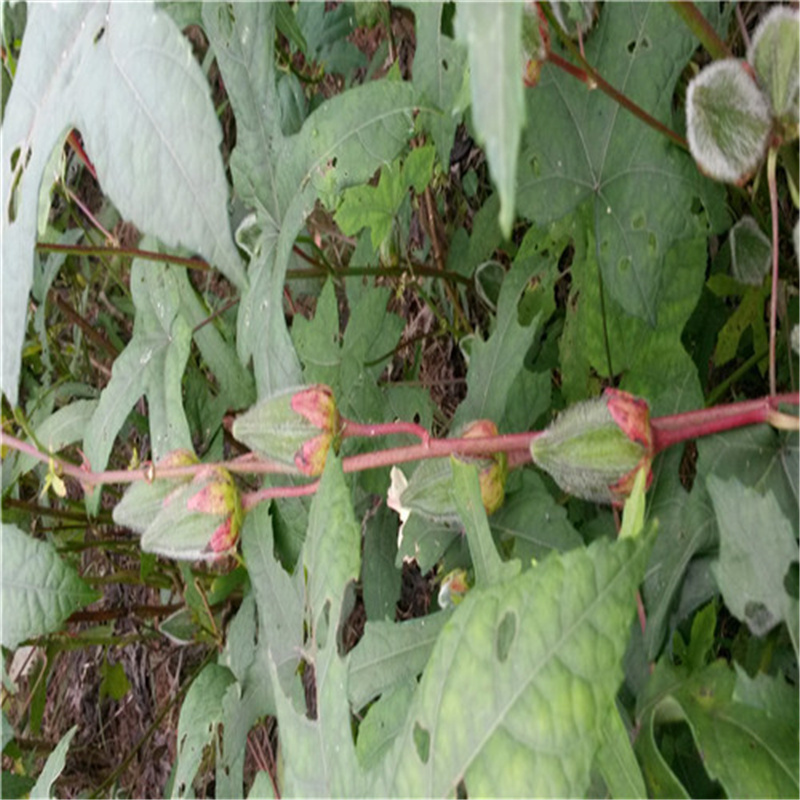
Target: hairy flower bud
(144,499)
(594,449)
(295,427)
(200,520)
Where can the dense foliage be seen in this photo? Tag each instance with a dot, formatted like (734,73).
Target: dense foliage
(270,271)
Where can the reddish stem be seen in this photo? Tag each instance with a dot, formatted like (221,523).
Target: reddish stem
(251,499)
(76,145)
(351,428)
(677,428)
(590,76)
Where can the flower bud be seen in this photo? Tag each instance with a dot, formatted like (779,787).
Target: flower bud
(594,449)
(144,499)
(453,588)
(429,490)
(200,520)
(295,427)
(492,471)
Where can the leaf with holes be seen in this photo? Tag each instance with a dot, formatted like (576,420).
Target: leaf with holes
(582,147)
(319,753)
(126,78)
(198,724)
(756,548)
(521,679)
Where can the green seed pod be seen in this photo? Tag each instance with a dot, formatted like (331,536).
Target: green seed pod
(594,449)
(295,427)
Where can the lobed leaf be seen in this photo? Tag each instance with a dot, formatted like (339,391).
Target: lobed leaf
(126,78)
(582,147)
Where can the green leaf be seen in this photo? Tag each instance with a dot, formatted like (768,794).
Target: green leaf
(340,144)
(531,516)
(424,541)
(373,207)
(439,75)
(751,252)
(61,428)
(279,596)
(521,679)
(243,37)
(686,529)
(489,568)
(198,724)
(495,363)
(652,360)
(492,34)
(389,653)
(380,579)
(318,342)
(382,723)
(115,683)
(773,53)
(616,761)
(152,364)
(727,121)
(757,546)
(418,168)
(661,780)
(759,457)
(771,694)
(39,589)
(750,754)
(53,767)
(331,555)
(581,146)
(94,68)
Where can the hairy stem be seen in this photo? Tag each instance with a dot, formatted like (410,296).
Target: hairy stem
(666,432)
(677,428)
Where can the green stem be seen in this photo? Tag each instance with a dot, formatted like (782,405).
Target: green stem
(317,271)
(773,305)
(701,28)
(719,391)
